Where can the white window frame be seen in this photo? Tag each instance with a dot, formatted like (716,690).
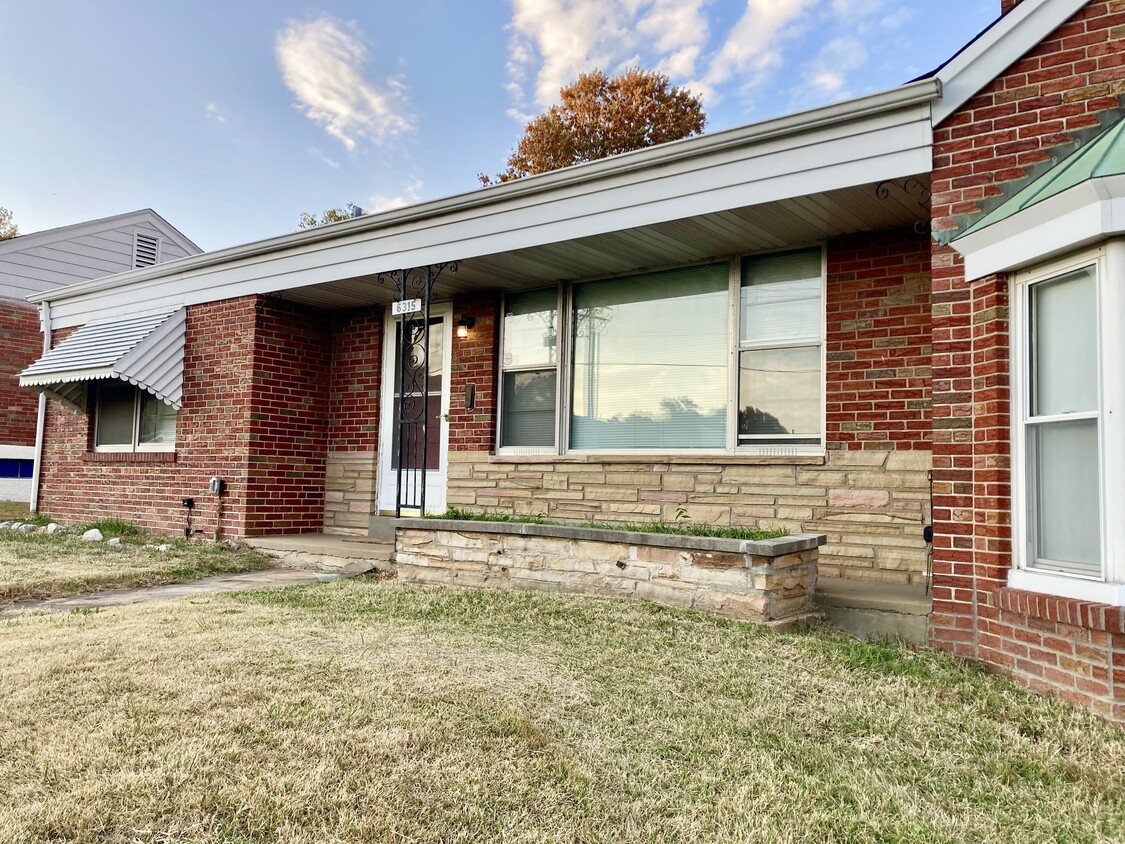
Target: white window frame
(1108,262)
(136,445)
(561,300)
(564,371)
(781,449)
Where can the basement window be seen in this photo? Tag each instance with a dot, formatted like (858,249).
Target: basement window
(128,419)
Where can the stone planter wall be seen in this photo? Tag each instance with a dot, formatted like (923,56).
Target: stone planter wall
(770,582)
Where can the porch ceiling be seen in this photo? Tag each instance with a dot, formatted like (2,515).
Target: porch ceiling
(787,222)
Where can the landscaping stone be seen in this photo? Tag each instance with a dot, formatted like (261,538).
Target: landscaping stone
(92,535)
(164,547)
(52,529)
(5,525)
(27,528)
(114,543)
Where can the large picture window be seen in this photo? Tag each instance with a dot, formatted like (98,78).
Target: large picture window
(130,419)
(650,361)
(720,357)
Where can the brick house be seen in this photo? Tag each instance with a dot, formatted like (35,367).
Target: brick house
(44,261)
(834,321)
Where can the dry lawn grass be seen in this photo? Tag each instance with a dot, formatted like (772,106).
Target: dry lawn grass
(364,711)
(40,566)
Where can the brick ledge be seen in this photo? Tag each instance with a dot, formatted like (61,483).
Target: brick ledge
(129,457)
(1089,615)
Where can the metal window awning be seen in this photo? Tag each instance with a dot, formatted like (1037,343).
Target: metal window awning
(146,350)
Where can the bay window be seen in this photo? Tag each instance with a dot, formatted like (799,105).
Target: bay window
(722,357)
(1067,436)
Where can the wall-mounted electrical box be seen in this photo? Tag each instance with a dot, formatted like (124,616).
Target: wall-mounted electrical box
(218,486)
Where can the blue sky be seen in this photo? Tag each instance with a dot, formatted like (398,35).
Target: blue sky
(230,118)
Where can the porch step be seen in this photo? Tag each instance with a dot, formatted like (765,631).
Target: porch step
(875,610)
(327,552)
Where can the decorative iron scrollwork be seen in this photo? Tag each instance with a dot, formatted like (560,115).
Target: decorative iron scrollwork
(909,190)
(411,445)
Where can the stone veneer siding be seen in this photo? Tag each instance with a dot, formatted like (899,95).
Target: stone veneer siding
(771,581)
(870,504)
(1062,91)
(870,494)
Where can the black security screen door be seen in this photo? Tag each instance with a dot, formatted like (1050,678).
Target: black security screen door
(418,387)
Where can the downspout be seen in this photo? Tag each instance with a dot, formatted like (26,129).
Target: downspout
(40,425)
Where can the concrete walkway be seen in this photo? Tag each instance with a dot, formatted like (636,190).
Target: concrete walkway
(207,586)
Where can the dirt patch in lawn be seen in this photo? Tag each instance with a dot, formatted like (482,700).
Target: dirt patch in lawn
(363,711)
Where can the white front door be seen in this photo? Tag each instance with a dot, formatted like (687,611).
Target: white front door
(437,410)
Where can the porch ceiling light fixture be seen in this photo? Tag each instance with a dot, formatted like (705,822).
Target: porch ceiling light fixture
(463,326)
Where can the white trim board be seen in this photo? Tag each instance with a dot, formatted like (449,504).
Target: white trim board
(662,184)
(998,48)
(1079,216)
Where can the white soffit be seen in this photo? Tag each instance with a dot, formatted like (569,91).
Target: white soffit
(146,350)
(868,140)
(998,48)
(1086,213)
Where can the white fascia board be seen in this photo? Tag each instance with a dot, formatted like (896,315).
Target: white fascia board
(998,49)
(1084,214)
(880,145)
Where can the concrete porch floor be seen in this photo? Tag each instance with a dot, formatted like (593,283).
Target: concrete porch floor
(327,552)
(875,610)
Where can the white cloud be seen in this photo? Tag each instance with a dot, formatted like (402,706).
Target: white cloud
(754,46)
(322,63)
(835,60)
(411,194)
(320,156)
(215,113)
(568,37)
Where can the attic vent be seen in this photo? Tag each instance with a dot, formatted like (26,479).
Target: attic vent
(146,250)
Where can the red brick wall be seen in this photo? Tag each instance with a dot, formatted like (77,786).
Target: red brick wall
(357,366)
(288,419)
(255,412)
(474,361)
(212,438)
(989,149)
(20,344)
(878,341)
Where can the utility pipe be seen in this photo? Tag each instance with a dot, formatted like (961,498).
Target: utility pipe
(41,423)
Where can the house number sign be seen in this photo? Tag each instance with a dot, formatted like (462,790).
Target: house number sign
(407,306)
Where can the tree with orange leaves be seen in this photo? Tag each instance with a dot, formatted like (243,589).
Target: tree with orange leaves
(603,115)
